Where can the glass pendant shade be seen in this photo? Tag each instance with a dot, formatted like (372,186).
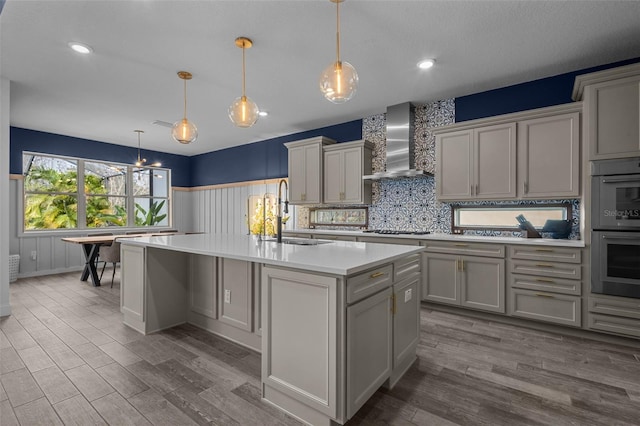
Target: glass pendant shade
(184,131)
(243,112)
(339,82)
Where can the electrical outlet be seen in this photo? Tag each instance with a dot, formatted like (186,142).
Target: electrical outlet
(407,295)
(227,296)
(34,255)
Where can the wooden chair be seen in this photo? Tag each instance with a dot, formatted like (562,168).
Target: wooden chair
(110,254)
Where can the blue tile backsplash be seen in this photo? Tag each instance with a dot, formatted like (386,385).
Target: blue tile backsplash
(410,204)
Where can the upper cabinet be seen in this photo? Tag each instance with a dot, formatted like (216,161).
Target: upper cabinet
(305,170)
(549,157)
(612,111)
(477,163)
(344,166)
(533,154)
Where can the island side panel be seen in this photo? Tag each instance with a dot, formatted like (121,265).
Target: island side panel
(167,284)
(301,360)
(132,286)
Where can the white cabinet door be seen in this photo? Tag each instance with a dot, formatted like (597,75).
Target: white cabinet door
(133,286)
(406,320)
(333,176)
(305,170)
(353,172)
(440,278)
(454,165)
(300,357)
(549,157)
(494,159)
(369,348)
(235,292)
(482,283)
(202,285)
(613,118)
(297,175)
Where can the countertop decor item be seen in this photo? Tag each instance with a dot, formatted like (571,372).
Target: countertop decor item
(339,81)
(184,131)
(243,112)
(559,229)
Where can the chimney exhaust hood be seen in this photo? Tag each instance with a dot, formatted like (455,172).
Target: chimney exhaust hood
(400,146)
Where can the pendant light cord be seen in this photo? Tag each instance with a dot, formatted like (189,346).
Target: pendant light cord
(243,72)
(338,32)
(185,98)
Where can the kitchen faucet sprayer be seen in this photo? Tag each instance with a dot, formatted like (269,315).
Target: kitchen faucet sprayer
(286,206)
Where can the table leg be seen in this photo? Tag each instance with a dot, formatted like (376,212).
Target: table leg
(91,251)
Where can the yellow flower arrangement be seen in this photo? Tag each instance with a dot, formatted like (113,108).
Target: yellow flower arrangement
(263,221)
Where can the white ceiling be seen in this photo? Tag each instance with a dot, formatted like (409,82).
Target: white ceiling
(130,80)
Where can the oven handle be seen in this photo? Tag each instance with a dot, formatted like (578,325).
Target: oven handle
(621,237)
(620,179)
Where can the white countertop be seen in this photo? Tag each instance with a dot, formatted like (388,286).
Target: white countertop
(447,237)
(335,257)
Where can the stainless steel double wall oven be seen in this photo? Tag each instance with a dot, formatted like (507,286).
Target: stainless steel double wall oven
(615,238)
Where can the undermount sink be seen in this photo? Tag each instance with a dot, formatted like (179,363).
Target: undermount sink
(299,241)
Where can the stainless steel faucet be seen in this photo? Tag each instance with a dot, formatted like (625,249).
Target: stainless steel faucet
(286,207)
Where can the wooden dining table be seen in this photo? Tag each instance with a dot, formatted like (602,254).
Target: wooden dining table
(91,249)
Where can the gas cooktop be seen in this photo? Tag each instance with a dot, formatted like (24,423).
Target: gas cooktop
(394,232)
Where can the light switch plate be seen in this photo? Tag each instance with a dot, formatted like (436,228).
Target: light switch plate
(227,296)
(407,295)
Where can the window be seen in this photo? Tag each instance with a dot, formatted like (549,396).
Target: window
(111,194)
(503,218)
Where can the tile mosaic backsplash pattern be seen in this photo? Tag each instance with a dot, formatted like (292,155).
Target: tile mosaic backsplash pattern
(410,204)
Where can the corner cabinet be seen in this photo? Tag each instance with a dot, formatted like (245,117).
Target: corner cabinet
(526,155)
(612,111)
(477,163)
(305,170)
(344,166)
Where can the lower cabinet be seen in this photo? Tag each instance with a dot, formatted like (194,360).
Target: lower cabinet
(549,307)
(235,292)
(619,315)
(469,281)
(369,348)
(406,325)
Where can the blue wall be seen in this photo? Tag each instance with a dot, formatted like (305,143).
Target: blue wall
(49,143)
(260,160)
(541,93)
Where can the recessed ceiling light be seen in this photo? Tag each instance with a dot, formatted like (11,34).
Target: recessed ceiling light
(426,64)
(263,113)
(80,47)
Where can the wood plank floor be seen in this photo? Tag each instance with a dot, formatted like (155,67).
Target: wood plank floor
(66,358)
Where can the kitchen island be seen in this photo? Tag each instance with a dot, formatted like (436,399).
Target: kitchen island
(334,321)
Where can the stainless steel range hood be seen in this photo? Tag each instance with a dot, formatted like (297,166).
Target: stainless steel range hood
(400,144)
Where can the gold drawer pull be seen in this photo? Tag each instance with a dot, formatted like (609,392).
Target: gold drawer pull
(544,295)
(544,249)
(544,265)
(542,280)
(376,275)
(461,245)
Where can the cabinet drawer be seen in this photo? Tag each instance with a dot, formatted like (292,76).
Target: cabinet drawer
(626,326)
(622,307)
(554,285)
(405,268)
(367,283)
(548,307)
(552,254)
(473,249)
(546,269)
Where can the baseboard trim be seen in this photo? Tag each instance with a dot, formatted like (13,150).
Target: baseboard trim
(50,272)
(5,310)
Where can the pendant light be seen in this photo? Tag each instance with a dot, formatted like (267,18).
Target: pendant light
(184,131)
(141,161)
(339,81)
(243,112)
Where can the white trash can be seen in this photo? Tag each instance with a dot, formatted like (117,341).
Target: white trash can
(14,267)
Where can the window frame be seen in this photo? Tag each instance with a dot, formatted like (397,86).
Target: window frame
(455,229)
(82,198)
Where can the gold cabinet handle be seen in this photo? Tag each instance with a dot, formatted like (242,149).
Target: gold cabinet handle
(461,245)
(393,303)
(376,275)
(544,295)
(544,249)
(544,265)
(542,280)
